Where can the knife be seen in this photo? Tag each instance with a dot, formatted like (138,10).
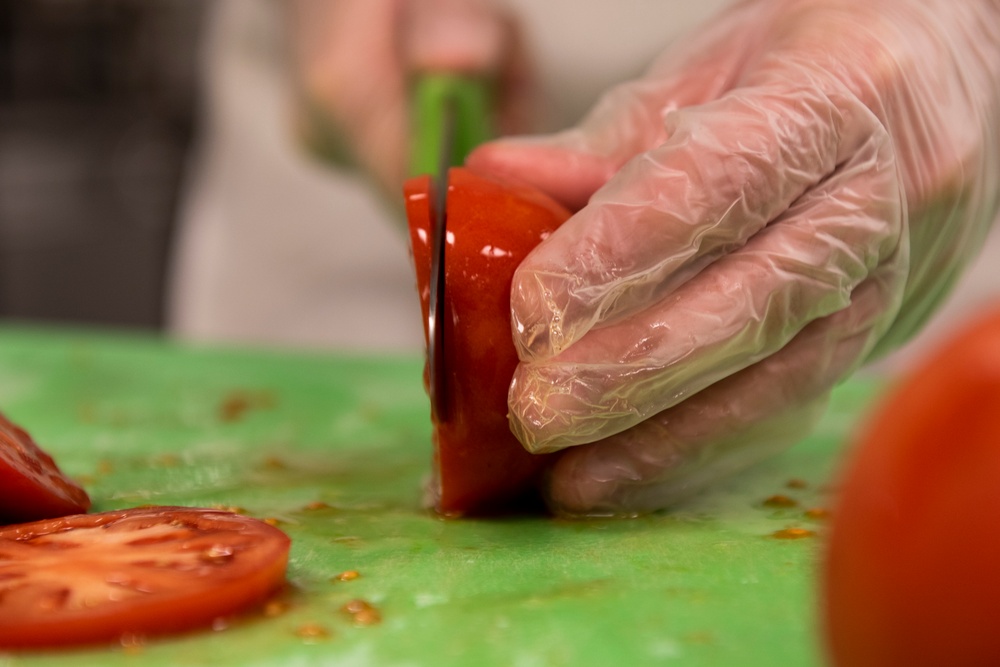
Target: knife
(452,115)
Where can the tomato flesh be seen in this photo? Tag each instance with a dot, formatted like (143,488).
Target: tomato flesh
(911,573)
(480,467)
(91,578)
(31,485)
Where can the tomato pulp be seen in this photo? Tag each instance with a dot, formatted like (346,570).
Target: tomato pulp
(91,578)
(492,225)
(31,485)
(911,572)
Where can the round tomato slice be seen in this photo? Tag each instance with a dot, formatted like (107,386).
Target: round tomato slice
(92,578)
(912,567)
(31,484)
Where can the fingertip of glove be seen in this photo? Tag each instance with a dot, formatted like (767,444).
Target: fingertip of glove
(603,479)
(567,175)
(532,327)
(528,436)
(540,409)
(573,491)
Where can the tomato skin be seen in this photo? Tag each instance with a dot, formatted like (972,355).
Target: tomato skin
(31,485)
(96,578)
(480,467)
(912,568)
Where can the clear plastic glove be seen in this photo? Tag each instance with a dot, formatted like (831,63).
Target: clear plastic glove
(787,194)
(354,59)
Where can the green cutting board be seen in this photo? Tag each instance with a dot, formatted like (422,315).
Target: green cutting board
(335,449)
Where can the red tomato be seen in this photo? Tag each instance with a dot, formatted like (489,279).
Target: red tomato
(912,571)
(98,577)
(31,485)
(480,466)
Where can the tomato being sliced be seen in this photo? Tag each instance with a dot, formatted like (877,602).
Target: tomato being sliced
(31,484)
(92,578)
(492,225)
(912,569)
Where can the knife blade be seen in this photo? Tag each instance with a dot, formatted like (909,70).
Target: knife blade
(451,116)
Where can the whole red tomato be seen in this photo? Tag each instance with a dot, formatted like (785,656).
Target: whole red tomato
(492,225)
(912,571)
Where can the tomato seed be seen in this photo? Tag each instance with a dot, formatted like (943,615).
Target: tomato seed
(362,612)
(317,505)
(312,631)
(276,608)
(217,554)
(368,617)
(234,509)
(780,501)
(274,463)
(793,533)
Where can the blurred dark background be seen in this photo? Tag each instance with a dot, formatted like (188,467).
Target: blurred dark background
(97,118)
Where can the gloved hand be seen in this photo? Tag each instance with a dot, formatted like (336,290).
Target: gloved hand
(353,61)
(788,193)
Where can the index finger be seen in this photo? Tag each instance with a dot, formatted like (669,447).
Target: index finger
(743,308)
(728,168)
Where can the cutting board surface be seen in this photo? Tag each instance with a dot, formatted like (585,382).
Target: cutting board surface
(335,449)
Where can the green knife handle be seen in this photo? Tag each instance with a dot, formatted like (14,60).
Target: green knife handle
(471,99)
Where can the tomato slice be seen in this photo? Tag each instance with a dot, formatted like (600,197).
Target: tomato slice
(479,466)
(92,578)
(31,484)
(912,568)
